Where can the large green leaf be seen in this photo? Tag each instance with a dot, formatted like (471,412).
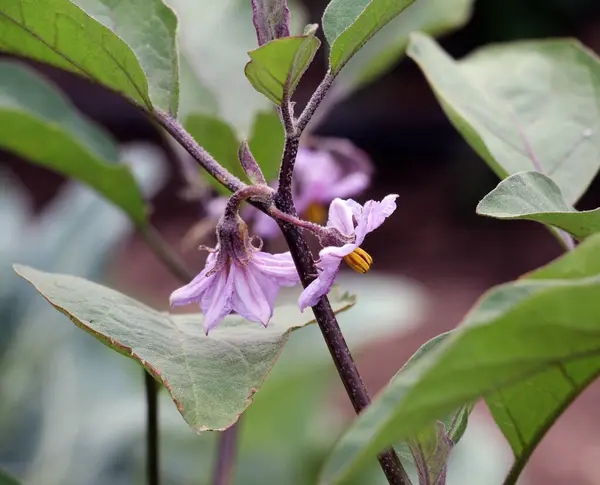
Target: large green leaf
(128,46)
(211,378)
(349,24)
(266,142)
(40,125)
(276,67)
(220,140)
(517,331)
(533,196)
(523,106)
(386,48)
(526,411)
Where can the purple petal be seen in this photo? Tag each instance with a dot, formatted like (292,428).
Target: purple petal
(329,266)
(373,215)
(332,254)
(193,291)
(319,287)
(340,217)
(249,298)
(271,19)
(350,185)
(279,267)
(216,301)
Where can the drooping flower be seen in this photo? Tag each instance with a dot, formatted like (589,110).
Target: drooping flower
(354,222)
(330,168)
(237,277)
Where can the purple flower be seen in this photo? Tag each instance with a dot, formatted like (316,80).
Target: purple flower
(354,222)
(237,277)
(336,169)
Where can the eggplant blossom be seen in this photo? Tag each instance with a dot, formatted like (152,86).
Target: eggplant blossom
(353,222)
(237,277)
(330,168)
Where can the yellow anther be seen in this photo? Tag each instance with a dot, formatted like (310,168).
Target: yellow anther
(359,260)
(316,213)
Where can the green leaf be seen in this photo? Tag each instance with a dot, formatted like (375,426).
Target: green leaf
(454,426)
(431,450)
(349,24)
(266,142)
(523,106)
(517,331)
(277,66)
(128,46)
(6,479)
(387,47)
(218,139)
(527,410)
(41,126)
(535,197)
(211,378)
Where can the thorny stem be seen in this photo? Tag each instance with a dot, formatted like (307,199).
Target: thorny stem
(223,474)
(152,455)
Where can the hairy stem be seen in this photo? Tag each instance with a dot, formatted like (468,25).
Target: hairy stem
(204,158)
(152,453)
(223,474)
(314,102)
(338,348)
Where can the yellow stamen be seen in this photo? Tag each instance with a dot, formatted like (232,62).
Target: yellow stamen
(359,260)
(316,213)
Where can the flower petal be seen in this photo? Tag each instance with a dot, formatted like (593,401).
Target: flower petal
(319,287)
(279,267)
(192,292)
(350,185)
(249,299)
(216,301)
(373,215)
(340,217)
(336,252)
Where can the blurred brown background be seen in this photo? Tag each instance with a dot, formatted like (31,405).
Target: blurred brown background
(438,239)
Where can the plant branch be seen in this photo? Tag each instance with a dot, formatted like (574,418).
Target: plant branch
(204,158)
(286,113)
(314,102)
(152,449)
(338,348)
(223,474)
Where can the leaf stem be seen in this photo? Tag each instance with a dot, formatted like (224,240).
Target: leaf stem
(223,474)
(152,449)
